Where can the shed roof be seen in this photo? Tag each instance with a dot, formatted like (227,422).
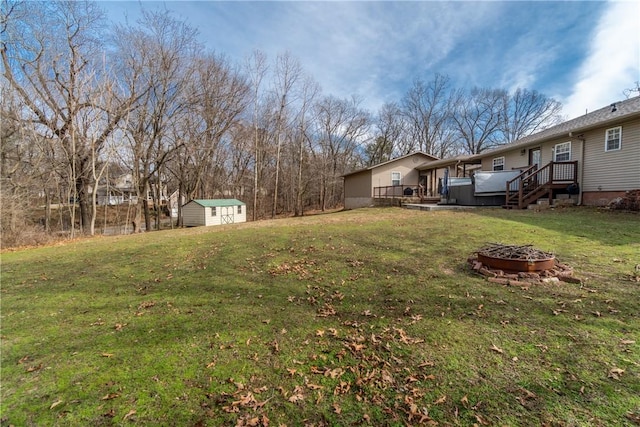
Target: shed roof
(210,203)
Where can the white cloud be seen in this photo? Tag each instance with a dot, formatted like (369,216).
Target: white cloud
(612,63)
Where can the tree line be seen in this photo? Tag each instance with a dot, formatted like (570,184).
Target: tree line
(83,100)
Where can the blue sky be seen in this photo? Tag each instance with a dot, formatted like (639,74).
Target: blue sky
(582,53)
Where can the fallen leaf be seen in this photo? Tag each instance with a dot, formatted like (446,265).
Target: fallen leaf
(107,354)
(465,401)
(34,368)
(615,373)
(481,420)
(440,400)
(24,359)
(129,414)
(496,349)
(295,398)
(625,342)
(110,396)
(336,408)
(56,403)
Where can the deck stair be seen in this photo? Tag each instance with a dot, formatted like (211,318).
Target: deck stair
(535,183)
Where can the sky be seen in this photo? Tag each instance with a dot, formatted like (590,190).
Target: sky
(581,53)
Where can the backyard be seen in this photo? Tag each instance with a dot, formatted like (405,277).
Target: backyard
(363,317)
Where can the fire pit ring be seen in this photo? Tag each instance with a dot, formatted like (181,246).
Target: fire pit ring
(519,265)
(516,258)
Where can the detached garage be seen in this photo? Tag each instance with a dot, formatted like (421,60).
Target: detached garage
(213,212)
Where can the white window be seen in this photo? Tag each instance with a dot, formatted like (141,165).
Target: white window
(239,209)
(213,211)
(562,152)
(498,164)
(395,178)
(613,139)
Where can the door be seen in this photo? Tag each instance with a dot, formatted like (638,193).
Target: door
(535,157)
(227,215)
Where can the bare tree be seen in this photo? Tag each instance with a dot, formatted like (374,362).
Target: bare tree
(341,129)
(287,73)
(388,135)
(50,57)
(526,112)
(257,68)
(427,108)
(219,94)
(308,92)
(477,119)
(158,55)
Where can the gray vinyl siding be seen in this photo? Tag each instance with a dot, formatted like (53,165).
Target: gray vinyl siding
(193,215)
(617,170)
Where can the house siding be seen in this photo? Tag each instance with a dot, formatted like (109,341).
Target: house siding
(516,159)
(359,186)
(617,170)
(358,193)
(381,177)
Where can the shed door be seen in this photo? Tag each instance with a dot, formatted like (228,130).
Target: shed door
(226,216)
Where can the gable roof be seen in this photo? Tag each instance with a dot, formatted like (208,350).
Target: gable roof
(210,203)
(626,109)
(391,161)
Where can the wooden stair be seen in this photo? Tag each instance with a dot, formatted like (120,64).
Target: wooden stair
(535,183)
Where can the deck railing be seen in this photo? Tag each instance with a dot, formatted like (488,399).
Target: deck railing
(532,180)
(397,191)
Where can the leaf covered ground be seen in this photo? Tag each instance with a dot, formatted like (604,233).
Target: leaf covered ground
(366,317)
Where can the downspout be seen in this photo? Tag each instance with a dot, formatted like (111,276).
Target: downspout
(581,138)
(581,166)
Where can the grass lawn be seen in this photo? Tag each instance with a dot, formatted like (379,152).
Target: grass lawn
(365,317)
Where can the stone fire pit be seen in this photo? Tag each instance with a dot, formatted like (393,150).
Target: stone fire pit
(519,265)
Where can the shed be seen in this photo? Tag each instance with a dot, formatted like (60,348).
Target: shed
(213,212)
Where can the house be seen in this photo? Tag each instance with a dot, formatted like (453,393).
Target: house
(116,190)
(591,159)
(213,212)
(390,179)
(594,157)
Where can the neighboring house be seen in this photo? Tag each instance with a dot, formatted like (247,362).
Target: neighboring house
(117,190)
(213,212)
(593,159)
(173,202)
(393,178)
(120,188)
